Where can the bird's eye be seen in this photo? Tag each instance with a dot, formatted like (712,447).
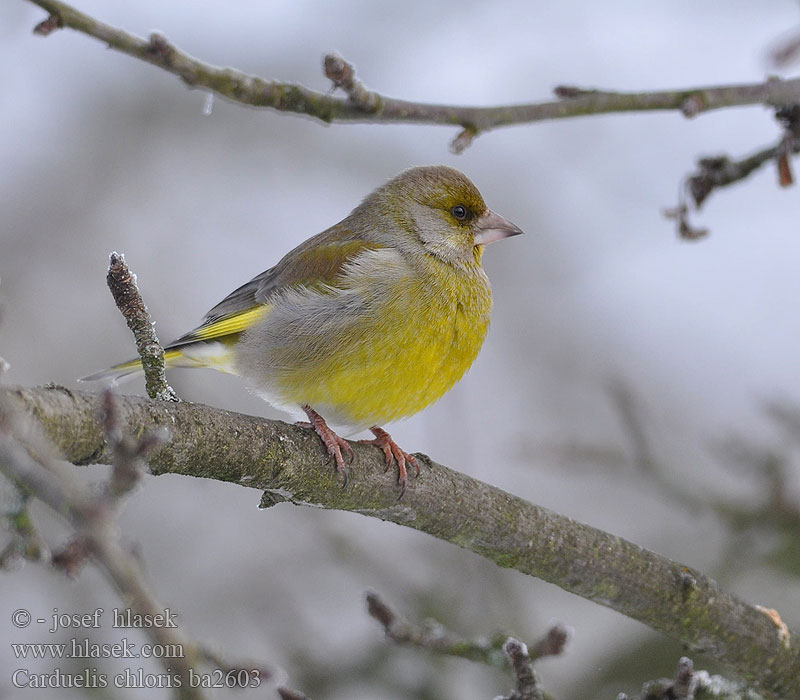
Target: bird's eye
(459,212)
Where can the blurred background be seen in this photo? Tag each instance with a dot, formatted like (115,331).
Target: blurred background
(640,383)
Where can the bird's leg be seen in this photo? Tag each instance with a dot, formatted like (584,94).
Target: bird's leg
(333,443)
(392,451)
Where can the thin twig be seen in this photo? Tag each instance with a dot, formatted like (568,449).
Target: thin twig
(122,283)
(343,75)
(362,105)
(688,684)
(716,172)
(552,644)
(95,537)
(785,51)
(501,650)
(720,171)
(26,542)
(435,637)
(527,683)
(771,505)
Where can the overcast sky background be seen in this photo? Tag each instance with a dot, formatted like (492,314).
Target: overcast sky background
(102,152)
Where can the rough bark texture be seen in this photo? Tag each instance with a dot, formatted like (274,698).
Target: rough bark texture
(122,284)
(286,463)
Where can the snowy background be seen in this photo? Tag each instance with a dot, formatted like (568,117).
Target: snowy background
(102,152)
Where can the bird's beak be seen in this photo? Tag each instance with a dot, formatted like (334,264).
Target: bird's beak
(492,227)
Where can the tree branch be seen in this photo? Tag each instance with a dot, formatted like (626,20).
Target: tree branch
(527,682)
(362,105)
(721,171)
(27,459)
(287,463)
(122,283)
(434,637)
(30,466)
(500,650)
(688,684)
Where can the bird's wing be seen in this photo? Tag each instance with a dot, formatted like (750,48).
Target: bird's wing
(314,264)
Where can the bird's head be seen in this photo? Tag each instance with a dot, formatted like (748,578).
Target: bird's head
(440,209)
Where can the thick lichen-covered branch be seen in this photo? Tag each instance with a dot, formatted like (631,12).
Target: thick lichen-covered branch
(287,463)
(363,105)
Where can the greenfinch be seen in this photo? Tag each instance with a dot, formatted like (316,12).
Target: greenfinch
(365,323)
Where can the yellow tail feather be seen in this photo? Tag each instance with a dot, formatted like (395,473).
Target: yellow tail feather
(207,346)
(214,355)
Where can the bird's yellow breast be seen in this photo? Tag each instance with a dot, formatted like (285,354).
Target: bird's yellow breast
(414,344)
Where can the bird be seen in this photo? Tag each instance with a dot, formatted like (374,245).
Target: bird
(365,323)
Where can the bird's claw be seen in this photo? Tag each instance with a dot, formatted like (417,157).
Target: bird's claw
(338,447)
(392,452)
(334,445)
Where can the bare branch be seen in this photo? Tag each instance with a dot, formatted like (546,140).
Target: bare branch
(680,214)
(122,283)
(72,556)
(343,75)
(785,51)
(552,644)
(463,140)
(362,105)
(716,172)
(26,542)
(721,171)
(287,461)
(435,637)
(527,683)
(688,684)
(28,465)
(501,650)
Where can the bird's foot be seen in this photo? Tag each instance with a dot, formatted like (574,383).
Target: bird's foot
(333,443)
(393,452)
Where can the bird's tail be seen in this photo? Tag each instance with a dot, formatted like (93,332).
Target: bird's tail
(215,355)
